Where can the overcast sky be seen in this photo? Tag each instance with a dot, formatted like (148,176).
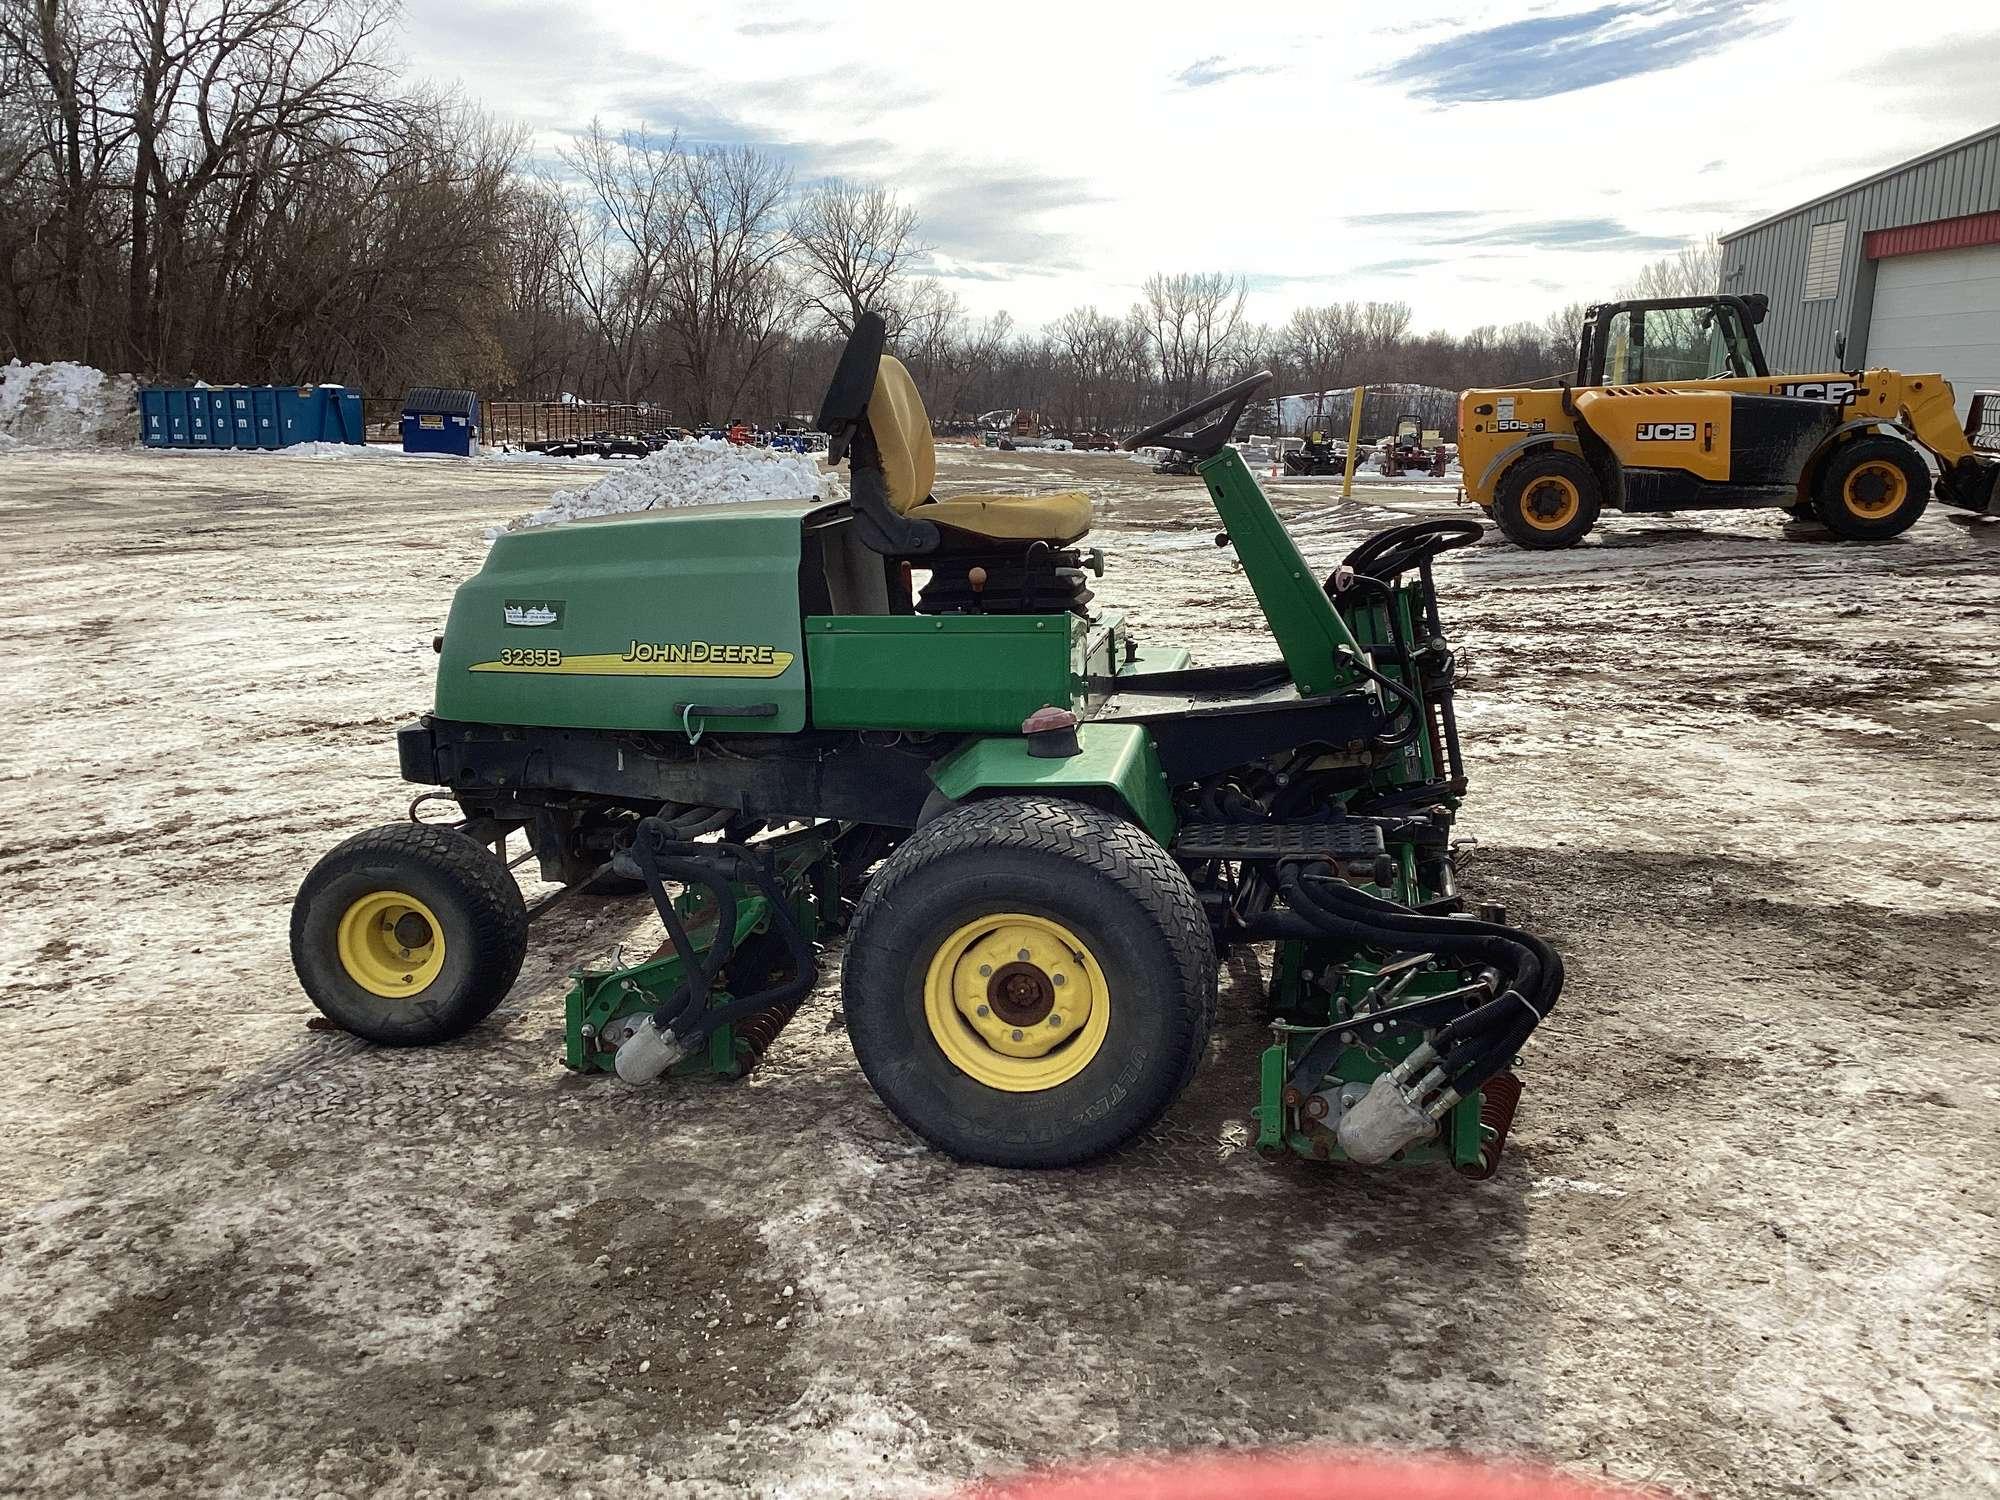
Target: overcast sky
(1480,163)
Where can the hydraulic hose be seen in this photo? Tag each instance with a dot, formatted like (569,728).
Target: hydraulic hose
(715,867)
(658,857)
(1478,1044)
(1392,912)
(1504,947)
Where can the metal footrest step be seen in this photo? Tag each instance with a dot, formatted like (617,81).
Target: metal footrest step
(1347,841)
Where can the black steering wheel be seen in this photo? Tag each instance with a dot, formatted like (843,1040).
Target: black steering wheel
(1397,549)
(1208,440)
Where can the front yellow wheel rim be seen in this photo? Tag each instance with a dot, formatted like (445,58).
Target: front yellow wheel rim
(1016,1002)
(1875,489)
(390,944)
(1551,503)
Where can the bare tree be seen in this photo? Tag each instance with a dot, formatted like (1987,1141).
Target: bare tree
(219,91)
(851,247)
(1381,326)
(1695,270)
(1192,322)
(726,301)
(535,326)
(625,237)
(1559,332)
(1319,343)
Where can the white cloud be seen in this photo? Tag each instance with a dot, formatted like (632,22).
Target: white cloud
(1063,152)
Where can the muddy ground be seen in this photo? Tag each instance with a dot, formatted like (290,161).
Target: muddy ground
(1743,1242)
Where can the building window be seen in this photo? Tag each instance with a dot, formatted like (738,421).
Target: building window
(1823,250)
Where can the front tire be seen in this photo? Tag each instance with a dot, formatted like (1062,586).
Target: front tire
(1547,500)
(408,934)
(1872,488)
(1028,982)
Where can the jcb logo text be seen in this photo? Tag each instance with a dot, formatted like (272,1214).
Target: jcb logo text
(1838,391)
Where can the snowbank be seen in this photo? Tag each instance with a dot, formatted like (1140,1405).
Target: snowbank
(704,472)
(64,405)
(348,451)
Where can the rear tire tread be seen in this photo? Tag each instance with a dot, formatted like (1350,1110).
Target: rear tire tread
(1111,847)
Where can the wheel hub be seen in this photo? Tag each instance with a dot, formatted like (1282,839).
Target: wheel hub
(1016,1002)
(1021,994)
(1875,489)
(1550,503)
(390,944)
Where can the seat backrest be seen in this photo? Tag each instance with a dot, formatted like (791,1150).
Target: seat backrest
(903,436)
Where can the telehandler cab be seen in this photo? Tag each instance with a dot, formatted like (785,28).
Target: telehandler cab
(760,710)
(1674,408)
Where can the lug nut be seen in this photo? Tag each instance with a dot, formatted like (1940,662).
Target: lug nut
(1056,1022)
(1022,955)
(1059,979)
(1017,1036)
(984,1011)
(985,971)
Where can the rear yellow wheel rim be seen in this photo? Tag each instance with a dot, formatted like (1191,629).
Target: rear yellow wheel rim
(1875,489)
(1550,503)
(1016,1002)
(390,944)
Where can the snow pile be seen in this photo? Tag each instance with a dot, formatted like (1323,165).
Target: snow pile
(64,405)
(704,472)
(333,450)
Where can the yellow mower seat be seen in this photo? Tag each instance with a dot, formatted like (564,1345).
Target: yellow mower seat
(909,466)
(1061,517)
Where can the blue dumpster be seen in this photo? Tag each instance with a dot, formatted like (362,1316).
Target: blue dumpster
(248,416)
(319,414)
(437,420)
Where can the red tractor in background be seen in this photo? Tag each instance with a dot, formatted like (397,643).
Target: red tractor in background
(1405,452)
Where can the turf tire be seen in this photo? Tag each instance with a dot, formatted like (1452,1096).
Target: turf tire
(1123,897)
(477,903)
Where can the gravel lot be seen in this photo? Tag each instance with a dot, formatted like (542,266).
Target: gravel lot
(1743,1243)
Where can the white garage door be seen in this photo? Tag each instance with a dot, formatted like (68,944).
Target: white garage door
(1940,311)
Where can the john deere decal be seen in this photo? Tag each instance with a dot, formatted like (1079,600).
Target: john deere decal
(650,659)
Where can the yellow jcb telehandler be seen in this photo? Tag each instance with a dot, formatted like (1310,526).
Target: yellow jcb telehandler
(1674,408)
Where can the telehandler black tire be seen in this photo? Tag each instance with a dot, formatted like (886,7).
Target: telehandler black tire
(1872,488)
(1029,982)
(1546,500)
(408,934)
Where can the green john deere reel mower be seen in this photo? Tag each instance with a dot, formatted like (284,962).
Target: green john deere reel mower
(902,715)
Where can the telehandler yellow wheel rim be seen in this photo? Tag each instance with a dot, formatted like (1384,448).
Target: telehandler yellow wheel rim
(1875,489)
(390,944)
(1016,1002)
(1551,503)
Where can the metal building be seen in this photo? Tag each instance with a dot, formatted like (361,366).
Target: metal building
(1905,264)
